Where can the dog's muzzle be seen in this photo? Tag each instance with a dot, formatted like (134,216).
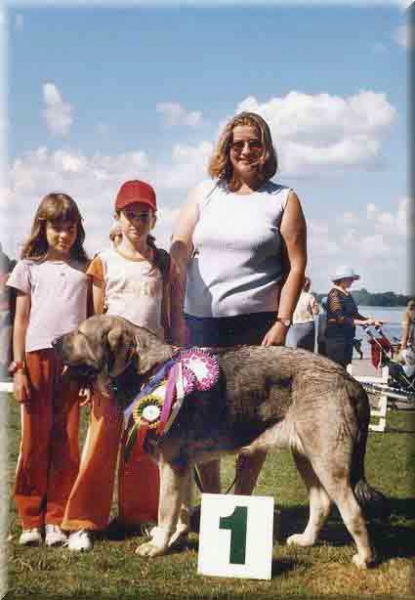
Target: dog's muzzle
(82,373)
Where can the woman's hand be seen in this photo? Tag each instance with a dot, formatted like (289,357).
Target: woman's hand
(276,335)
(21,387)
(372,321)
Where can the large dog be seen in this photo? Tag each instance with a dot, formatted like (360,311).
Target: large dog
(266,397)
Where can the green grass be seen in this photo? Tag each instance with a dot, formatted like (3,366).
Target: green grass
(112,570)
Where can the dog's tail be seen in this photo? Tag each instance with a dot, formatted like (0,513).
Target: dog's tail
(372,502)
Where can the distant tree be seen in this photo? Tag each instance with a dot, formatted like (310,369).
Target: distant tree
(365,298)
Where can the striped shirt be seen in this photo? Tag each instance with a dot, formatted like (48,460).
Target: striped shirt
(341,308)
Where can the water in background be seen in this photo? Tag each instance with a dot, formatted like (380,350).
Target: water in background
(392,328)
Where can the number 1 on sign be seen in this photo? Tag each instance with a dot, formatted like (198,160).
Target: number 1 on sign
(237,523)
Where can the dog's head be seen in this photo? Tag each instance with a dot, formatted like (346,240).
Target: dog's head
(103,346)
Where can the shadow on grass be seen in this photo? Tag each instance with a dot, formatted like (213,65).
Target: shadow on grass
(392,539)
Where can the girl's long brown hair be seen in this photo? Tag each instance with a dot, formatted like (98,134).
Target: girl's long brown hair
(55,208)
(220,166)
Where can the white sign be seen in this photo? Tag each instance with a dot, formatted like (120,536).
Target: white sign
(236,536)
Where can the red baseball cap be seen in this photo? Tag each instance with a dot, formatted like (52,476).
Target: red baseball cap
(135,191)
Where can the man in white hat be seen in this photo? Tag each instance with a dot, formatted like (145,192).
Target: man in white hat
(343,316)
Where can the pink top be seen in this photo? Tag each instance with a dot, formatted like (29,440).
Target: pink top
(58,296)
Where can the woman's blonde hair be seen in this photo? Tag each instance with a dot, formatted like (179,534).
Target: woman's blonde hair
(56,208)
(220,166)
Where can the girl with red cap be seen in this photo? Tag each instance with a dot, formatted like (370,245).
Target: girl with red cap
(131,279)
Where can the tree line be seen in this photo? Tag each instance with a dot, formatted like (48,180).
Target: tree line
(365,298)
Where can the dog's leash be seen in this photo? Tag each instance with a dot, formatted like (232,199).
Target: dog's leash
(238,468)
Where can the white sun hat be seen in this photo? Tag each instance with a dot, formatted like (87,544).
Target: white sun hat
(344,273)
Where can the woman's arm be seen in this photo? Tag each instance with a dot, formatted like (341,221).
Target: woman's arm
(294,233)
(181,252)
(21,322)
(336,312)
(405,333)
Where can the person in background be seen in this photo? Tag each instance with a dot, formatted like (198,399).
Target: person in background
(321,328)
(303,330)
(115,233)
(408,329)
(132,279)
(343,316)
(51,300)
(240,243)
(6,266)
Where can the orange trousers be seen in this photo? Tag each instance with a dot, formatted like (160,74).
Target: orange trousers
(49,451)
(89,504)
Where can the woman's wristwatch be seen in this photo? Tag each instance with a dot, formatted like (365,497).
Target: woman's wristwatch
(16,365)
(286,322)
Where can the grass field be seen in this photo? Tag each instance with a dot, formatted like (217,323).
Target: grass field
(112,570)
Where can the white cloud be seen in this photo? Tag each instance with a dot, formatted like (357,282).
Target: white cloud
(316,131)
(175,114)
(188,166)
(58,113)
(312,133)
(404,35)
(374,242)
(93,182)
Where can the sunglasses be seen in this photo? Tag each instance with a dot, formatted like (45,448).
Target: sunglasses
(253,145)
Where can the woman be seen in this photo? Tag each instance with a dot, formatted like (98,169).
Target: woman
(240,243)
(342,317)
(302,333)
(408,329)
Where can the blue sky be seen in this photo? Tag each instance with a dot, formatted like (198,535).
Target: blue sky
(98,95)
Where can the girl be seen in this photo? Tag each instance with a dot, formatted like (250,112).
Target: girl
(134,280)
(51,287)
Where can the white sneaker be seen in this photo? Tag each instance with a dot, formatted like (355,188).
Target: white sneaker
(54,535)
(30,537)
(79,541)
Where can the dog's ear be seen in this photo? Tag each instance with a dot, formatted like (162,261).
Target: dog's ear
(122,344)
(150,351)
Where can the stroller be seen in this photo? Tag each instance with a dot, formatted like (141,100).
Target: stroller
(401,381)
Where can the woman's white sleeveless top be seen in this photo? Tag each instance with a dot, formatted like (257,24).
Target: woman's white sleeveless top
(237,263)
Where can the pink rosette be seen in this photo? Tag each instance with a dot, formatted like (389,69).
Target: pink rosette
(204,367)
(189,380)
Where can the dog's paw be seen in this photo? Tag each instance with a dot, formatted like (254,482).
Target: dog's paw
(359,561)
(150,550)
(178,539)
(299,539)
(364,562)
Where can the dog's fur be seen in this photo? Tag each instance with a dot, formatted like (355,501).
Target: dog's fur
(267,397)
